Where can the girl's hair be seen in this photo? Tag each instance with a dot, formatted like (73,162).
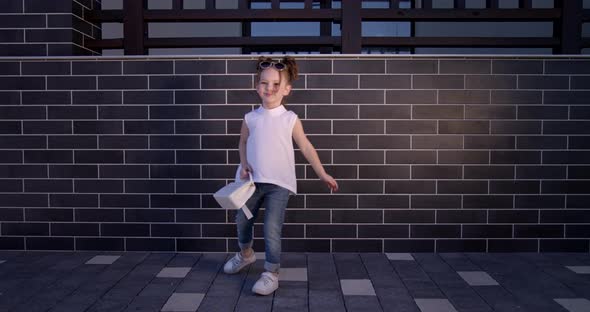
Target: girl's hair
(290,68)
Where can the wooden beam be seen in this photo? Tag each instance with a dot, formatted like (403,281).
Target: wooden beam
(492,4)
(570,27)
(351,27)
(461,15)
(177,4)
(134,27)
(241,15)
(460,42)
(459,4)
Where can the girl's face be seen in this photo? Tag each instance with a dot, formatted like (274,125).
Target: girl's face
(269,89)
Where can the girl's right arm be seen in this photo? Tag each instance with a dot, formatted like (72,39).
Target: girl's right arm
(244,133)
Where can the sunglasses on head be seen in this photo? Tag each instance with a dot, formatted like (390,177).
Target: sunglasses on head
(277,65)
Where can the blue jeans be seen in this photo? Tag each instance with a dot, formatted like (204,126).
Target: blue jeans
(275,200)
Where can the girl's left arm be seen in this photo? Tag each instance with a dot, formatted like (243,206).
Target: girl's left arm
(312,156)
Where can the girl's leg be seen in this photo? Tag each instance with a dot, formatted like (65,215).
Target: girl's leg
(243,224)
(275,205)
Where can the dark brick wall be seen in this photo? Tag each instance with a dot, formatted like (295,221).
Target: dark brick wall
(46,27)
(431,153)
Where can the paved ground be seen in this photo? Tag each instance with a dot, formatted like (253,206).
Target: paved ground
(103,281)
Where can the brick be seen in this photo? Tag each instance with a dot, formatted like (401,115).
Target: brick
(577,231)
(48,156)
(539,201)
(462,187)
(463,127)
(98,156)
(333,141)
(577,172)
(337,171)
(489,142)
(75,201)
(149,127)
(436,142)
(73,171)
(434,231)
(566,157)
(98,127)
(517,66)
(332,82)
(201,215)
(200,97)
(11,186)
(331,231)
(23,200)
(360,186)
(358,157)
(122,82)
(516,97)
(408,245)
(203,66)
(296,97)
(541,172)
(438,82)
(123,142)
(411,127)
(25,229)
(562,245)
(512,245)
(10,127)
(45,68)
(134,67)
(465,66)
(384,172)
(490,82)
(125,229)
(359,66)
(50,214)
(566,97)
(385,112)
(384,142)
(124,171)
(71,83)
(221,141)
(515,157)
(566,127)
(513,216)
(29,141)
(96,67)
(410,157)
(48,186)
(22,112)
(10,97)
(516,127)
(541,142)
(175,201)
(110,244)
(176,230)
(487,231)
(383,231)
(174,82)
(384,201)
(358,127)
(12,157)
(538,231)
(148,97)
(22,83)
(357,245)
(383,81)
(332,112)
(580,82)
(224,112)
(174,112)
(72,142)
(436,172)
(75,229)
(307,216)
(543,112)
(50,243)
(98,186)
(412,66)
(410,97)
(435,201)
(311,127)
(39,6)
(226,82)
(47,127)
(46,97)
(463,96)
(155,157)
(564,187)
(358,97)
(23,21)
(409,216)
(543,82)
(463,157)
(150,186)
(461,216)
(175,171)
(575,142)
(515,187)
(12,36)
(461,245)
(567,67)
(330,201)
(490,112)
(97,97)
(488,201)
(579,112)
(410,187)
(438,112)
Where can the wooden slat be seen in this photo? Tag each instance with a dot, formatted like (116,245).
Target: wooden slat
(105,16)
(525,4)
(351,27)
(133,28)
(177,4)
(275,4)
(239,15)
(492,4)
(458,15)
(427,4)
(569,29)
(243,4)
(459,4)
(210,4)
(308,5)
(394,4)
(239,41)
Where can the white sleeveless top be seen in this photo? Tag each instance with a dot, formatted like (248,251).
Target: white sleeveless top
(269,147)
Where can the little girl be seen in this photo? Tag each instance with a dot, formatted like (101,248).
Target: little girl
(266,152)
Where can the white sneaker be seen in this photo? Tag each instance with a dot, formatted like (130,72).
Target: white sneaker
(237,262)
(266,284)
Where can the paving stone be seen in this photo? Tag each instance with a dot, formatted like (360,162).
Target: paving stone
(400,256)
(174,272)
(477,278)
(103,259)
(435,305)
(357,287)
(580,269)
(183,302)
(293,274)
(574,304)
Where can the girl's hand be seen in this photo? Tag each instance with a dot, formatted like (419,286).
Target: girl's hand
(244,171)
(332,184)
